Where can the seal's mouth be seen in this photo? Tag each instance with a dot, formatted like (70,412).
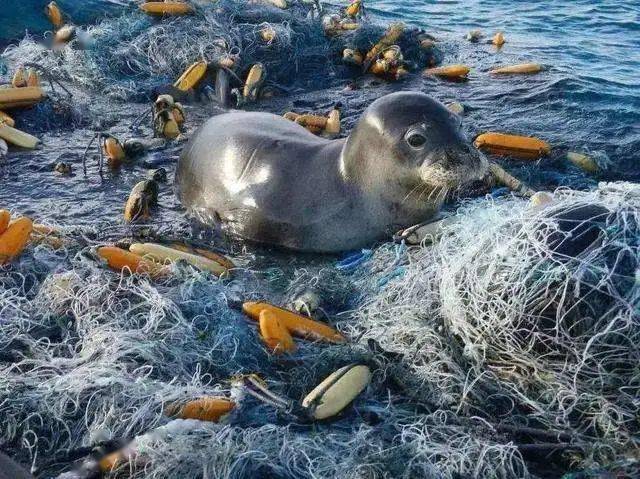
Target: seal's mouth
(454,167)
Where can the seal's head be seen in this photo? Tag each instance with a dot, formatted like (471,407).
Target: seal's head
(410,148)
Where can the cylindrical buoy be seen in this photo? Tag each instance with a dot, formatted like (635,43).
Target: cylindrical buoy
(274,334)
(510,181)
(210,409)
(390,37)
(522,68)
(143,196)
(20,97)
(6,119)
(498,39)
(54,14)
(164,254)
(65,34)
(449,71)
(512,145)
(541,199)
(19,78)
(122,260)
(5,219)
(14,239)
(17,137)
(456,107)
(166,8)
(583,161)
(223,260)
(191,76)
(254,81)
(332,125)
(337,391)
(114,151)
(297,324)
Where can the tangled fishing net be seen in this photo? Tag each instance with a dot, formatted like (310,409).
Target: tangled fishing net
(525,317)
(512,333)
(129,56)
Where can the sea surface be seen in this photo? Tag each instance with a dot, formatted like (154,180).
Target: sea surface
(587,100)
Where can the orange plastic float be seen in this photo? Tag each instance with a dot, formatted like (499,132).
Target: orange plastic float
(295,323)
(166,8)
(512,145)
(451,71)
(14,239)
(5,218)
(498,39)
(521,68)
(121,260)
(210,409)
(274,334)
(54,14)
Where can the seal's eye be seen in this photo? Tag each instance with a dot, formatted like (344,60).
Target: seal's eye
(415,139)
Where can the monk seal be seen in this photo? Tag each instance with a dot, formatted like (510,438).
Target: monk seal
(269,180)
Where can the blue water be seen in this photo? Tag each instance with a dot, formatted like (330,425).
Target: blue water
(588,99)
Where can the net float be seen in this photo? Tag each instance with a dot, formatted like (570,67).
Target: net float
(274,334)
(19,78)
(498,39)
(164,254)
(14,239)
(143,196)
(295,323)
(523,147)
(210,409)
(337,391)
(522,68)
(5,218)
(166,8)
(54,14)
(17,137)
(6,119)
(122,260)
(20,97)
(583,161)
(449,71)
(191,76)
(223,260)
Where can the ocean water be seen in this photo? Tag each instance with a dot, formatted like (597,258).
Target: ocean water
(587,99)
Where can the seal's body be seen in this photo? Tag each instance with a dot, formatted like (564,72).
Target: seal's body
(267,179)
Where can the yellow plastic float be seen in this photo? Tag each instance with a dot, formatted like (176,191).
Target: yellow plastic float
(512,145)
(583,161)
(521,68)
(295,323)
(254,80)
(166,8)
(498,39)
(19,78)
(6,119)
(224,261)
(20,97)
(274,334)
(17,137)
(163,254)
(113,150)
(192,75)
(390,37)
(14,239)
(337,391)
(449,71)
